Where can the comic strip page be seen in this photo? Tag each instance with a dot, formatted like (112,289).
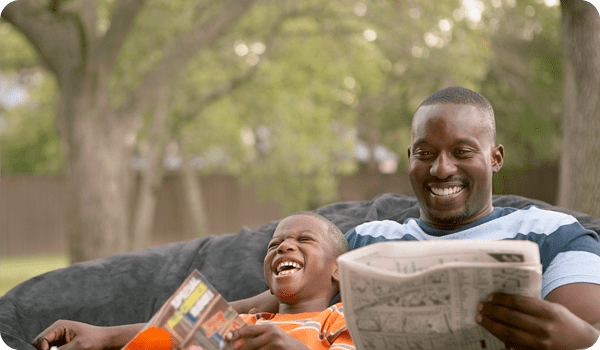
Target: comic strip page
(417,295)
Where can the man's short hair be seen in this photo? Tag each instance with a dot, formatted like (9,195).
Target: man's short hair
(337,236)
(464,96)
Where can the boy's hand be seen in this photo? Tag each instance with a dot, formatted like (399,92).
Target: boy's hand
(264,336)
(529,323)
(75,335)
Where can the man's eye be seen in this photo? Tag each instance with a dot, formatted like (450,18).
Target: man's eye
(422,153)
(273,245)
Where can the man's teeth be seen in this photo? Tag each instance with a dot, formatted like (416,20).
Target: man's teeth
(294,267)
(446,191)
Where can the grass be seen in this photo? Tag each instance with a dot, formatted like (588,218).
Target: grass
(17,269)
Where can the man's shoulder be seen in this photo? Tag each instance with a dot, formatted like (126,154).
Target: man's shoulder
(379,224)
(383,227)
(533,212)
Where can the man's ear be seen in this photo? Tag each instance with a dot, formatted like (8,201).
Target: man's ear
(408,150)
(497,158)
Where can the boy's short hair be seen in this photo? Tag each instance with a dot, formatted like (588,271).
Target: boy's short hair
(337,236)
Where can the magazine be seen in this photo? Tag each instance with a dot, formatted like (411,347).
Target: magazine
(196,316)
(424,295)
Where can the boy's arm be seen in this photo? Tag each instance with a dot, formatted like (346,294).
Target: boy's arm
(562,321)
(263,336)
(77,335)
(263,302)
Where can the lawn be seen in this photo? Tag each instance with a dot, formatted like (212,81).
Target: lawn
(16,269)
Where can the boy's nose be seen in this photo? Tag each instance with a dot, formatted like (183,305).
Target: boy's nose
(286,246)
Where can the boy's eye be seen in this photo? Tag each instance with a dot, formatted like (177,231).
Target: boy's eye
(305,239)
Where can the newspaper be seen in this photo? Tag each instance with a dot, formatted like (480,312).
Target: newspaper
(196,316)
(424,295)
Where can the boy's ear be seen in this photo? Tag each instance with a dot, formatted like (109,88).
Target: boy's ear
(335,275)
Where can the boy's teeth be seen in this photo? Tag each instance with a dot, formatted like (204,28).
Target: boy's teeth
(445,191)
(295,267)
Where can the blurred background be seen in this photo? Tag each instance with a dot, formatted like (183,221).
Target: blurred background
(127,123)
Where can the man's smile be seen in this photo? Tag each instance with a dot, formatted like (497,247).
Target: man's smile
(446,191)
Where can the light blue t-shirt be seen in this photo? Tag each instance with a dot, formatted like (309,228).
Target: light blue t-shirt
(569,253)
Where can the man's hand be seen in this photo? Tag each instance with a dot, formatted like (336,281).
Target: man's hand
(529,323)
(264,336)
(75,335)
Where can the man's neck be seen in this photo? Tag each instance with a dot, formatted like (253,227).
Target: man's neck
(454,225)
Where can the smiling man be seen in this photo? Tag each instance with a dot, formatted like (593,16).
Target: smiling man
(452,158)
(451,161)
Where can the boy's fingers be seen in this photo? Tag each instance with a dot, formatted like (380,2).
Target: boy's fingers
(251,330)
(251,343)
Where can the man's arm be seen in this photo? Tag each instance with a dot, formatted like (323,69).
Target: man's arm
(562,321)
(264,302)
(582,299)
(80,336)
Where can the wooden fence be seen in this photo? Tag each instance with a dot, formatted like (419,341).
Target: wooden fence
(33,218)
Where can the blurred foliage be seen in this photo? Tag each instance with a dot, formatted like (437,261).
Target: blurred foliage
(28,141)
(283,97)
(524,83)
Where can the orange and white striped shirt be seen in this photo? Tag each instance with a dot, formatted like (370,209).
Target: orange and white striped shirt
(318,330)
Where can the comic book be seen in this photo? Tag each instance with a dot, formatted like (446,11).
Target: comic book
(196,316)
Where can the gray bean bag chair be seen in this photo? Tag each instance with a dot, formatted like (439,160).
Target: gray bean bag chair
(131,287)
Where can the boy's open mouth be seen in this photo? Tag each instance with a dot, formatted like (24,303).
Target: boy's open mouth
(287,267)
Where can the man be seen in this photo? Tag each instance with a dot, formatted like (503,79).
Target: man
(301,272)
(452,157)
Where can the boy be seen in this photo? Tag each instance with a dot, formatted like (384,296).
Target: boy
(300,270)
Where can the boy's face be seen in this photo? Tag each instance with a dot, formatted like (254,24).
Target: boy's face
(301,260)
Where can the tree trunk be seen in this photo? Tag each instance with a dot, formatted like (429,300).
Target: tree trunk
(152,175)
(194,198)
(579,184)
(98,185)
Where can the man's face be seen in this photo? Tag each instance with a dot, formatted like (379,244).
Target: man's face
(300,264)
(451,161)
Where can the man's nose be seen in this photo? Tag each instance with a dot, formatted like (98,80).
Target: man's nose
(286,246)
(443,166)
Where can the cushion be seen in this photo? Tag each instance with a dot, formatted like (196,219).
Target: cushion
(129,288)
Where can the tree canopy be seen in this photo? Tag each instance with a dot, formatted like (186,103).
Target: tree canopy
(284,94)
(319,80)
